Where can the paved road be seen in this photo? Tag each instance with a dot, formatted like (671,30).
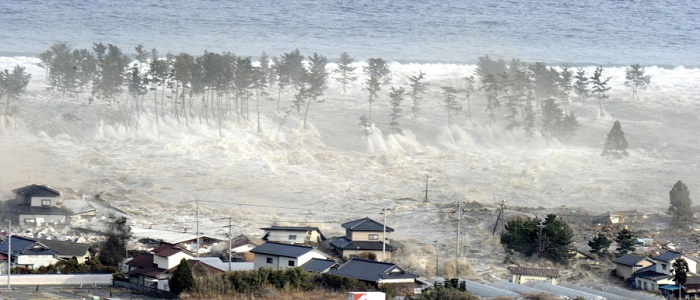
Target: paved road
(68,292)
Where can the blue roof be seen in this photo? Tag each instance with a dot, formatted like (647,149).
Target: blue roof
(280,249)
(318,265)
(652,275)
(668,256)
(24,246)
(366,224)
(368,270)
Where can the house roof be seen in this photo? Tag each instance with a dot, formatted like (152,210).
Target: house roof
(167,250)
(141,261)
(151,271)
(27,209)
(194,263)
(3,257)
(223,265)
(652,275)
(554,273)
(25,246)
(37,190)
(280,249)
(243,240)
(628,260)
(319,265)
(345,243)
(366,224)
(291,228)
(368,270)
(64,248)
(694,280)
(170,237)
(668,256)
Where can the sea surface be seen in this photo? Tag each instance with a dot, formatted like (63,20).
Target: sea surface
(582,32)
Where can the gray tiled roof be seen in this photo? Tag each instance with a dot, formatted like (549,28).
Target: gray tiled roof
(66,248)
(628,260)
(279,249)
(37,190)
(292,228)
(366,224)
(668,256)
(652,275)
(344,243)
(318,265)
(554,273)
(26,246)
(368,270)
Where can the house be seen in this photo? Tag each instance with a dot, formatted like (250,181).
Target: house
(168,256)
(628,264)
(224,265)
(66,250)
(378,274)
(39,204)
(691,289)
(293,235)
(29,253)
(364,236)
(241,246)
(317,265)
(649,279)
(664,262)
(522,275)
(281,256)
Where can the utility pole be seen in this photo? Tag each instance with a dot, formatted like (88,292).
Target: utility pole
(503,216)
(9,252)
(426,187)
(384,212)
(437,257)
(230,224)
(541,238)
(459,234)
(197,228)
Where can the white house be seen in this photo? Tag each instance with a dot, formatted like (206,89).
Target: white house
(39,204)
(664,262)
(293,235)
(280,256)
(168,256)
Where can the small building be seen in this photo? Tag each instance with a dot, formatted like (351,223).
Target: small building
(649,279)
(317,265)
(628,264)
(39,204)
(281,256)
(293,235)
(241,246)
(522,275)
(379,274)
(66,250)
(29,253)
(664,262)
(364,236)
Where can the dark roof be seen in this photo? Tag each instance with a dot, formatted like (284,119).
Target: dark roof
(244,239)
(25,246)
(668,256)
(141,261)
(368,270)
(652,275)
(152,271)
(694,280)
(291,228)
(553,273)
(66,248)
(628,260)
(198,263)
(280,249)
(318,265)
(27,209)
(366,224)
(37,190)
(344,243)
(167,250)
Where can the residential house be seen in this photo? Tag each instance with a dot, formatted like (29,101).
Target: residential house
(293,235)
(39,204)
(186,240)
(281,256)
(241,246)
(649,279)
(29,253)
(522,275)
(66,250)
(628,264)
(364,236)
(317,265)
(664,262)
(379,274)
(224,265)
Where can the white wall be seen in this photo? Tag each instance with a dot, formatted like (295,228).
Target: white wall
(56,279)
(170,261)
(36,261)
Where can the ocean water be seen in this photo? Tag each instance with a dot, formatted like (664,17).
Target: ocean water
(583,32)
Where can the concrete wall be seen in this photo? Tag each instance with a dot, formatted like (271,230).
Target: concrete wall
(56,279)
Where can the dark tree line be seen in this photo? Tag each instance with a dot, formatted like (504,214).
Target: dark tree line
(550,238)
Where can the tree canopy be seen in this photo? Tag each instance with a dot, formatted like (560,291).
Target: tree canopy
(182,279)
(615,144)
(550,238)
(681,205)
(625,241)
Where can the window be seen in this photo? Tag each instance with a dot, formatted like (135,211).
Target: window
(29,221)
(292,237)
(663,267)
(290,263)
(645,285)
(268,260)
(373,237)
(45,202)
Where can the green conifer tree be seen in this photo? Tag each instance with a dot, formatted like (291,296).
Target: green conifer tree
(625,241)
(681,205)
(615,144)
(395,99)
(599,243)
(635,79)
(182,280)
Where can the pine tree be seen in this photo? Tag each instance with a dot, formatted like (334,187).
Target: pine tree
(491,89)
(451,103)
(13,85)
(182,280)
(680,270)
(418,88)
(599,243)
(625,241)
(468,91)
(681,205)
(581,84)
(616,144)
(564,84)
(315,78)
(378,74)
(600,87)
(554,243)
(395,99)
(551,119)
(345,72)
(635,78)
(567,127)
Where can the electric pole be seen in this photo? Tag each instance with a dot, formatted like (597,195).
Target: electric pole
(197,228)
(9,252)
(426,187)
(384,212)
(459,235)
(541,238)
(437,257)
